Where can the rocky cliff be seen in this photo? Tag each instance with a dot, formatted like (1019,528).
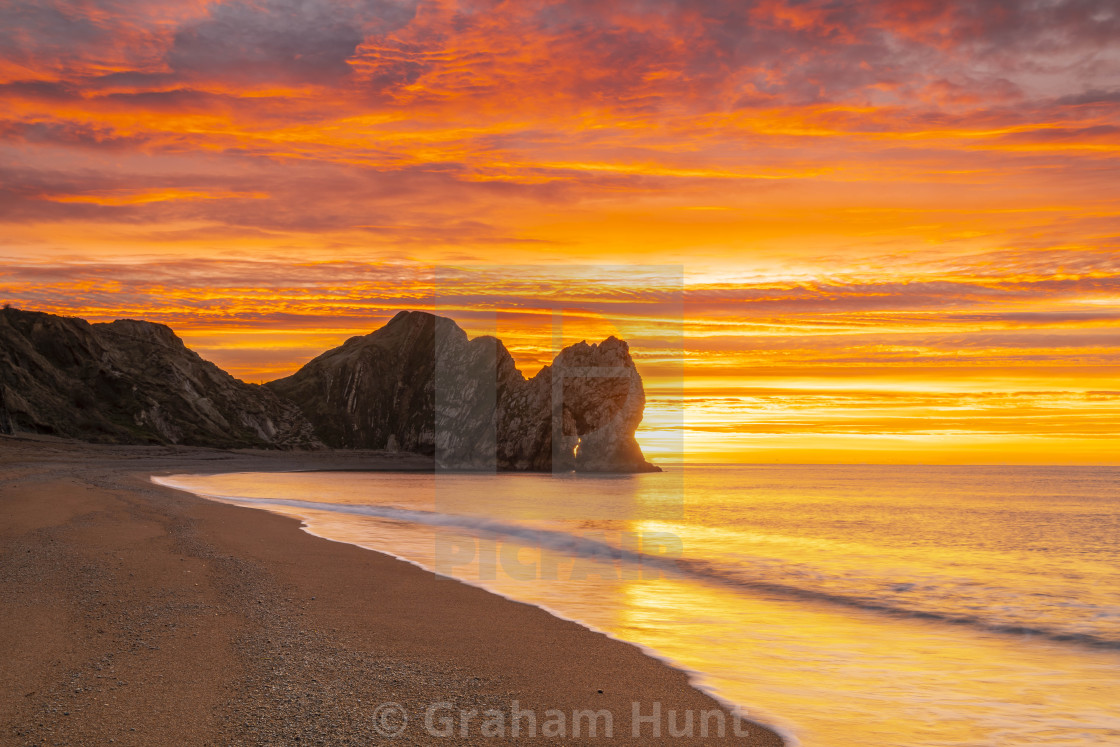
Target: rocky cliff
(130,382)
(419,384)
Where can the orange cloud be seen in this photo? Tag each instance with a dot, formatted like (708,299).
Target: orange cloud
(916,194)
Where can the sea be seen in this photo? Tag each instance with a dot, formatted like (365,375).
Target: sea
(845,606)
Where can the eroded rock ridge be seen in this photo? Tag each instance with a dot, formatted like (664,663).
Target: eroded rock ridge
(417,384)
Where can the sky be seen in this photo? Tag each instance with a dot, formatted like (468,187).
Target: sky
(832,231)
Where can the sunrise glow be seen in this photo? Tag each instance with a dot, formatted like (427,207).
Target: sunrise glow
(864,232)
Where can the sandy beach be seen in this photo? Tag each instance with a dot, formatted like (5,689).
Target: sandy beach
(138,615)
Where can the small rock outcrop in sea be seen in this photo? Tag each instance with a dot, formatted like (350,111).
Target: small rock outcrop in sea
(130,382)
(419,384)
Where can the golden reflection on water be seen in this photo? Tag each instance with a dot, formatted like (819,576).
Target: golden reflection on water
(849,678)
(836,676)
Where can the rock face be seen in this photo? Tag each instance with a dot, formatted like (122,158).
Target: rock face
(418,384)
(130,382)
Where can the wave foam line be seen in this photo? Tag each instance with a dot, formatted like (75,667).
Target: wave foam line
(697,679)
(595,550)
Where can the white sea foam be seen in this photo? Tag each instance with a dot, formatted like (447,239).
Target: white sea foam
(851,606)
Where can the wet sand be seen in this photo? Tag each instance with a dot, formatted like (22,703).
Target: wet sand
(133,614)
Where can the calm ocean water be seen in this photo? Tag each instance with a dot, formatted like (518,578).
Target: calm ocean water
(847,605)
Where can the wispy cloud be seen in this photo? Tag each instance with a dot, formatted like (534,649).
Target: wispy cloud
(913,188)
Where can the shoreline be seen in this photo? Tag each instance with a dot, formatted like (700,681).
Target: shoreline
(695,678)
(149,615)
